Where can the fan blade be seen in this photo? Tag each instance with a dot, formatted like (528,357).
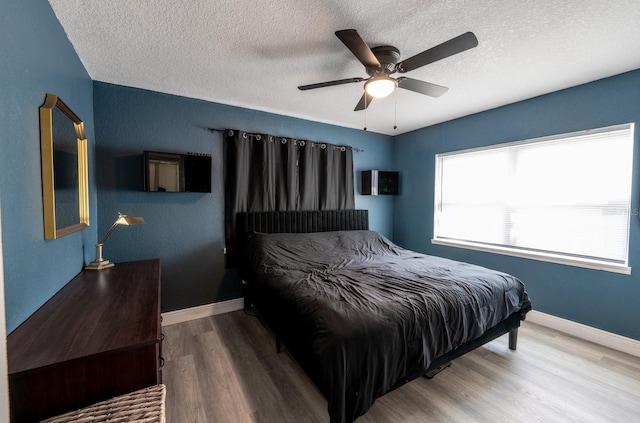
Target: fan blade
(456,45)
(426,88)
(364,102)
(330,83)
(358,47)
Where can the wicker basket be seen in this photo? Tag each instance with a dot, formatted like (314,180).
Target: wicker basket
(143,406)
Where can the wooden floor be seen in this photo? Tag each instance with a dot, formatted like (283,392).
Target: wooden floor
(224,369)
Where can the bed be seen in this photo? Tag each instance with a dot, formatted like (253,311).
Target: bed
(361,315)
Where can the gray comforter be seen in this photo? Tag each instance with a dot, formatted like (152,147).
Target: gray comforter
(361,314)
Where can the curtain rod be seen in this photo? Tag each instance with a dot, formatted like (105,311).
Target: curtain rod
(357,150)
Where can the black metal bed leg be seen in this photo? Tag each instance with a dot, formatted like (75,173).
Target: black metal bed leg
(278,349)
(513,339)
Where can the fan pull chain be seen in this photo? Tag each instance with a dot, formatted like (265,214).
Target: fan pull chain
(395,109)
(365,111)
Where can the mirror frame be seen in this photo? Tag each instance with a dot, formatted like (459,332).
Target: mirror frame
(48,168)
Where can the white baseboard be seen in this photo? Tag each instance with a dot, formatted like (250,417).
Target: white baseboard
(588,333)
(207,310)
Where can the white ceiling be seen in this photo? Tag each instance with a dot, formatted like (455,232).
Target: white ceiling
(254,53)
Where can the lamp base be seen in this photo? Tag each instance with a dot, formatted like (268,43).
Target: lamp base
(99,265)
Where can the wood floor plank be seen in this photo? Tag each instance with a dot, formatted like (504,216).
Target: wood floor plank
(223,397)
(299,394)
(183,402)
(230,361)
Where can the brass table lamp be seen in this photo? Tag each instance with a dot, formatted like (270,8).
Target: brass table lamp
(101,263)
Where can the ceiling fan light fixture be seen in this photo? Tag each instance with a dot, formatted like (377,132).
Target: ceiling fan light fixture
(380,86)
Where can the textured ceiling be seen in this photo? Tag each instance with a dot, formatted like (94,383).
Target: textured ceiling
(254,53)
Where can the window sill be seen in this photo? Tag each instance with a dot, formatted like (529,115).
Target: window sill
(548,257)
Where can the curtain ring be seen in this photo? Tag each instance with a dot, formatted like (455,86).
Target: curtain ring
(283,140)
(258,137)
(244,135)
(230,132)
(323,146)
(270,138)
(301,143)
(343,148)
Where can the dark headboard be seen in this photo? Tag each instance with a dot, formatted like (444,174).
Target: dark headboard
(300,221)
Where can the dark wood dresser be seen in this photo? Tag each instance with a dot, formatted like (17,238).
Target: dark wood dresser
(98,337)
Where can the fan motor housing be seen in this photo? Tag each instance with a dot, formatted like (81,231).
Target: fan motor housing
(388,56)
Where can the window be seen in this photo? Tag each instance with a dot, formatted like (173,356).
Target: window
(564,198)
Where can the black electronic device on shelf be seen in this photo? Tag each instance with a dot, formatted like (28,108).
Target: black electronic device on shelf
(177,172)
(378,182)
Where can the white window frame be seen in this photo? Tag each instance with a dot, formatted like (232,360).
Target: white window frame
(523,252)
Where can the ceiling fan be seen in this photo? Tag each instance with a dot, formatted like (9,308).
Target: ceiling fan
(382,61)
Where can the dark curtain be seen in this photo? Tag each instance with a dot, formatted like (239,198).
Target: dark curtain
(267,173)
(326,177)
(260,173)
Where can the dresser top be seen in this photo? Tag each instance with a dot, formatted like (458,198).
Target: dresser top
(97,312)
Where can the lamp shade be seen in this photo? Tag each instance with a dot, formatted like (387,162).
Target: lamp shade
(380,86)
(129,220)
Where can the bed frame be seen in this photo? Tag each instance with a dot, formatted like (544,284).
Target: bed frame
(344,220)
(300,222)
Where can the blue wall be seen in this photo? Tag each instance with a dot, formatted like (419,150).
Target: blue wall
(37,58)
(601,299)
(186,230)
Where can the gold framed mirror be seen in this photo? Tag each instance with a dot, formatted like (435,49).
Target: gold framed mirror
(65,175)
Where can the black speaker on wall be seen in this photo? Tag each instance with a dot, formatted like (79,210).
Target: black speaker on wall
(379,182)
